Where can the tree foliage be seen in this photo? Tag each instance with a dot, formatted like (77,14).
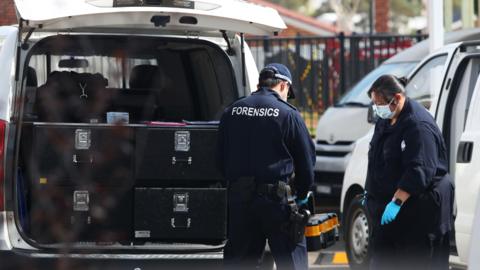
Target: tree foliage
(291,4)
(409,8)
(400,10)
(345,9)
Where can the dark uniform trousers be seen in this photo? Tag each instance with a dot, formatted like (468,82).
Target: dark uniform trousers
(251,223)
(416,239)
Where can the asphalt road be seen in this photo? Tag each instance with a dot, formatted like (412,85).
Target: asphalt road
(333,257)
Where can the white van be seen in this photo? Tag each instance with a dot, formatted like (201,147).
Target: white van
(108,121)
(341,125)
(458,113)
(452,73)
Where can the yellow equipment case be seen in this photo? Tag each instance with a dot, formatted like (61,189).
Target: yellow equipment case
(321,231)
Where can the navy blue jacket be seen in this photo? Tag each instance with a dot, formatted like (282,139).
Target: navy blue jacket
(264,137)
(411,155)
(406,155)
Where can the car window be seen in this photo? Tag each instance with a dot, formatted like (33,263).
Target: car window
(466,87)
(86,84)
(424,82)
(358,94)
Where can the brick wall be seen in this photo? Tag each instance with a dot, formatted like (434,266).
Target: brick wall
(7,12)
(382,13)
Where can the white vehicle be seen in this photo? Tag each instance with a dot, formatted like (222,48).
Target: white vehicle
(107,127)
(341,125)
(458,113)
(455,105)
(473,259)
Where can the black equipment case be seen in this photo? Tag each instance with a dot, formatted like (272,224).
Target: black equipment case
(166,153)
(180,214)
(108,183)
(180,194)
(79,154)
(74,214)
(81,183)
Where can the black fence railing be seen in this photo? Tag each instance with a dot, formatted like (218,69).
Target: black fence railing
(324,68)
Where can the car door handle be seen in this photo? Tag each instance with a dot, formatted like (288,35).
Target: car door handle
(465,150)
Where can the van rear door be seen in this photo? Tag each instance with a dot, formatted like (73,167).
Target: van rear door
(467,181)
(456,114)
(202,17)
(8,44)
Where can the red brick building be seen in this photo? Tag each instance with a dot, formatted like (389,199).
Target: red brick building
(7,12)
(382,13)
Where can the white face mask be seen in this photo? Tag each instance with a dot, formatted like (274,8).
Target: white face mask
(383,111)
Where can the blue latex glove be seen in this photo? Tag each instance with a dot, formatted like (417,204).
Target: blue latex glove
(300,202)
(390,213)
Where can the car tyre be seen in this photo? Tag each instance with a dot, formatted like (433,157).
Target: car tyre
(357,235)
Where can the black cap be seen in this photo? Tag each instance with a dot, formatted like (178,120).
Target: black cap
(278,71)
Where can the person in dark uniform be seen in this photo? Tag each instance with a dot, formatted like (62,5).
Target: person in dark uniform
(263,140)
(409,191)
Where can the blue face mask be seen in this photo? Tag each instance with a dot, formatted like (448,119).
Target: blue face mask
(383,111)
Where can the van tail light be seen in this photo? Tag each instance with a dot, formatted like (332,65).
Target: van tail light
(3,127)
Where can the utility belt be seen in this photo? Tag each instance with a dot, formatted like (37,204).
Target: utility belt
(275,191)
(246,188)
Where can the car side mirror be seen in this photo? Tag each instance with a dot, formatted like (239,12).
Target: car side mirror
(372,117)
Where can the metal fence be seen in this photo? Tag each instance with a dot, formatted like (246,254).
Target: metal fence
(324,68)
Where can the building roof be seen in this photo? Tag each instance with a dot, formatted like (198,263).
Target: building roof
(298,20)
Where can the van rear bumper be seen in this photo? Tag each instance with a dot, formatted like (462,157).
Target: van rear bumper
(332,164)
(21,259)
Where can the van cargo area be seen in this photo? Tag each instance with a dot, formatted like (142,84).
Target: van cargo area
(118,142)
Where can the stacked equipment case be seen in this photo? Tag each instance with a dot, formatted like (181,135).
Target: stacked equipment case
(123,183)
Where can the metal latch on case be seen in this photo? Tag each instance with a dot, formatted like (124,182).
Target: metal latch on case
(182,141)
(180,202)
(83,139)
(81,200)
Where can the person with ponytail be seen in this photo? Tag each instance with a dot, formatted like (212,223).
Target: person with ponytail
(409,193)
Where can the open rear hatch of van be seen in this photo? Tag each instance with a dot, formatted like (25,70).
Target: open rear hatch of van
(118,133)
(203,17)
(118,142)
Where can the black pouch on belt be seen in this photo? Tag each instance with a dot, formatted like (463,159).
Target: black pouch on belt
(277,192)
(296,224)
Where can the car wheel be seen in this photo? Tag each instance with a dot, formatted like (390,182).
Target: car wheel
(357,235)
